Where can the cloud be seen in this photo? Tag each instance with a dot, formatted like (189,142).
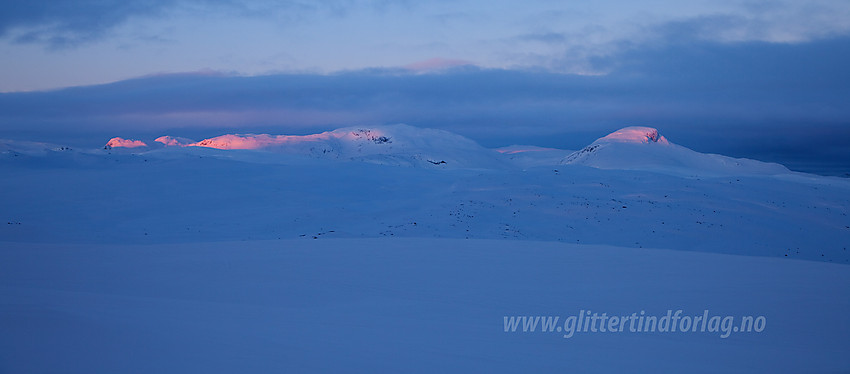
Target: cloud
(568,40)
(695,80)
(436,64)
(742,99)
(64,24)
(67,23)
(545,37)
(496,34)
(775,22)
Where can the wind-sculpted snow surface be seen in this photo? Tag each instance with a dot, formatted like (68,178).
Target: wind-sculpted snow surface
(406,305)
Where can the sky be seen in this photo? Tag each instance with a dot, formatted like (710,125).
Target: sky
(759,79)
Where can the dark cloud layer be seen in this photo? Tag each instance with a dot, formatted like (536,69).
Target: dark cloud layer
(63,23)
(60,23)
(780,102)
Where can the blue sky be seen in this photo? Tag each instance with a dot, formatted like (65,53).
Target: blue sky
(762,79)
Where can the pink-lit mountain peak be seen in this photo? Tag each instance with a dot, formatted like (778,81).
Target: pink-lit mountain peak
(630,148)
(174,141)
(118,142)
(397,144)
(259,141)
(643,148)
(634,134)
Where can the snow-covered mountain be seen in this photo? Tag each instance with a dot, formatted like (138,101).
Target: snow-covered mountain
(294,186)
(630,148)
(643,148)
(390,145)
(173,141)
(237,253)
(119,142)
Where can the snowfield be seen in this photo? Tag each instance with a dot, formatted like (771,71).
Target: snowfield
(404,305)
(399,249)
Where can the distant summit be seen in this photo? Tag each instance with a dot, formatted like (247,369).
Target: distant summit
(172,141)
(634,134)
(643,148)
(629,148)
(292,142)
(118,142)
(400,144)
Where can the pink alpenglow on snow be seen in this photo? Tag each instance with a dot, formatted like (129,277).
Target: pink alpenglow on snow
(245,141)
(635,134)
(174,141)
(258,141)
(117,142)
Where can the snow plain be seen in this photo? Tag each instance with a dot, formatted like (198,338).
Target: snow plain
(366,253)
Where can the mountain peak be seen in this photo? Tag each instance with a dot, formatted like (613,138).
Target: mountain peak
(173,141)
(634,134)
(118,142)
(631,148)
(398,144)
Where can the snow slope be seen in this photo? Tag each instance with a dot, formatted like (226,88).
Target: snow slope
(529,156)
(17,148)
(405,305)
(352,252)
(196,194)
(643,148)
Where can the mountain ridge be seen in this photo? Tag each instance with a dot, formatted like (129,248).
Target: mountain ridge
(630,148)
